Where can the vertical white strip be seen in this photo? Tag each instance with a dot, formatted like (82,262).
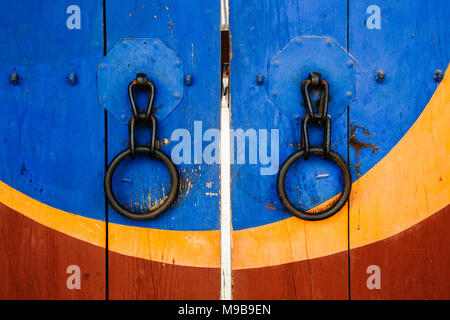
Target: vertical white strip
(225,178)
(225,197)
(224,15)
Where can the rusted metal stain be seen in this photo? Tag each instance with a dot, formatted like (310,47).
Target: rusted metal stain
(358,145)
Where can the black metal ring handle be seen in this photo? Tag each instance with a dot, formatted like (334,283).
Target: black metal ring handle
(141,82)
(150,213)
(131,132)
(335,207)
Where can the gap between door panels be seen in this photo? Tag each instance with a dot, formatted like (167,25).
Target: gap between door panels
(225,62)
(348,160)
(106,166)
(226,276)
(225,73)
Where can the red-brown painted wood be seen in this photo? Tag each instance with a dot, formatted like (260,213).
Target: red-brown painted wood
(321,278)
(34,260)
(141,279)
(415,264)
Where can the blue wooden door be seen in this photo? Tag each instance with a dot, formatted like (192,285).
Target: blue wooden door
(281,263)
(385,63)
(176,255)
(51,151)
(65,71)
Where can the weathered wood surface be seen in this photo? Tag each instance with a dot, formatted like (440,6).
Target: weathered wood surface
(36,262)
(399,149)
(278,254)
(51,150)
(389,242)
(397,142)
(182,245)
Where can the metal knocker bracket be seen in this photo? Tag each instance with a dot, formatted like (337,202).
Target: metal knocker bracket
(143,118)
(321,118)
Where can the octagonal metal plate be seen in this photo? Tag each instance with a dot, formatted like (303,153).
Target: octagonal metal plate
(131,56)
(302,55)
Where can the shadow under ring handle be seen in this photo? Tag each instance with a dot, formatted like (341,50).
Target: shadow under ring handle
(151,213)
(331,210)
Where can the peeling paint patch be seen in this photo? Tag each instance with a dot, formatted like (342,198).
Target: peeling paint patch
(163,142)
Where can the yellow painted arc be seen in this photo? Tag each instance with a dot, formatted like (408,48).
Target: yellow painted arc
(408,185)
(187,248)
(79,227)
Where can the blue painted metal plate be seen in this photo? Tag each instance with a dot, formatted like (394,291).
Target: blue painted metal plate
(288,68)
(131,56)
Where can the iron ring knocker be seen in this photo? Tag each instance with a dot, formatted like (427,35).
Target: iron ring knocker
(321,118)
(150,213)
(141,118)
(300,154)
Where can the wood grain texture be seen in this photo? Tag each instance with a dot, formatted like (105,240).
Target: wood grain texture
(34,261)
(414,264)
(140,279)
(314,279)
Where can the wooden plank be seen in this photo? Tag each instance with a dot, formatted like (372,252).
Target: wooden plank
(303,280)
(274,253)
(37,262)
(413,264)
(166,257)
(399,151)
(51,151)
(145,279)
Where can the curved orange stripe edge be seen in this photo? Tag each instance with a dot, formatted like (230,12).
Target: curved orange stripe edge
(187,248)
(408,185)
